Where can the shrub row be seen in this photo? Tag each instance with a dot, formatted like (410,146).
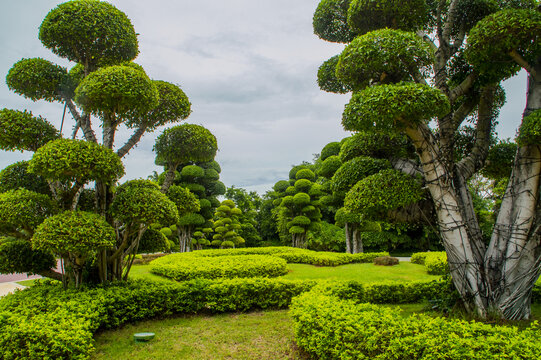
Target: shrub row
(332,328)
(186,266)
(434,261)
(45,322)
(296,255)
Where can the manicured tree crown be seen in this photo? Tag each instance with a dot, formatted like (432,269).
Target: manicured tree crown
(89,32)
(330,21)
(20,130)
(16,176)
(185,143)
(76,160)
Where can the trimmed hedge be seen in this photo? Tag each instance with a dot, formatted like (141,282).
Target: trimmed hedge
(328,327)
(46,322)
(186,266)
(296,255)
(434,261)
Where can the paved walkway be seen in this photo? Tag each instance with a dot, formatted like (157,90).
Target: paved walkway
(9,287)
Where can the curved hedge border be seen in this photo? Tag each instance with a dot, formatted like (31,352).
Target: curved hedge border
(329,327)
(295,255)
(186,266)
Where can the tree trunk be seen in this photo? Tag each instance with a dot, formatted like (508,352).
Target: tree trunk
(348,238)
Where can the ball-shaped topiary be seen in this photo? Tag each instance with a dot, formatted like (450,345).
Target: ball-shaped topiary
(305,174)
(17,256)
(38,79)
(77,232)
(20,130)
(76,160)
(192,171)
(356,169)
(122,90)
(153,241)
(16,176)
(383,56)
(327,80)
(185,201)
(301,199)
(89,32)
(393,107)
(372,144)
(329,166)
(331,149)
(330,21)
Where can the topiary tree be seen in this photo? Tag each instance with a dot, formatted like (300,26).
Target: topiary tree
(16,176)
(250,204)
(299,208)
(187,205)
(410,64)
(227,226)
(75,236)
(104,85)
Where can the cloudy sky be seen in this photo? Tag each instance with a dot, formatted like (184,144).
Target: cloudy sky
(249,68)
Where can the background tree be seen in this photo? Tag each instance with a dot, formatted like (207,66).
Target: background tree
(250,204)
(227,225)
(397,52)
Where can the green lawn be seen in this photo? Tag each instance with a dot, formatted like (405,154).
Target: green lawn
(367,273)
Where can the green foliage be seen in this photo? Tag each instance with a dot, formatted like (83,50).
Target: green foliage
(383,56)
(387,190)
(192,171)
(191,219)
(386,240)
(329,166)
(46,322)
(436,263)
(21,211)
(153,241)
(38,79)
(372,144)
(173,105)
(356,169)
(122,90)
(391,107)
(530,130)
(17,256)
(78,232)
(369,15)
(20,130)
(493,39)
(185,201)
(329,238)
(330,21)
(227,225)
(186,266)
(136,204)
(499,162)
(185,143)
(16,176)
(331,328)
(331,149)
(327,80)
(281,186)
(89,32)
(305,174)
(76,160)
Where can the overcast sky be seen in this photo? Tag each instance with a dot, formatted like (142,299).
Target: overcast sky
(249,68)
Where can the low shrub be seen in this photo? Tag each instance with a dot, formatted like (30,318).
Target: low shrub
(386,261)
(328,327)
(46,322)
(419,258)
(296,255)
(436,263)
(186,266)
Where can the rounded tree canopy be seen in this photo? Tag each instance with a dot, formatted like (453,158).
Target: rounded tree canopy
(173,106)
(281,186)
(355,170)
(301,199)
(211,165)
(38,79)
(137,183)
(369,15)
(332,148)
(498,39)
(24,210)
(344,216)
(386,190)
(89,32)
(372,144)
(192,171)
(76,160)
(392,107)
(143,205)
(383,56)
(17,256)
(16,176)
(329,166)
(185,143)
(330,21)
(79,232)
(125,91)
(295,169)
(327,80)
(305,174)
(191,220)
(185,201)
(303,185)
(20,130)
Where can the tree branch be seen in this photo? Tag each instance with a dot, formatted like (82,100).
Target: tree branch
(83,121)
(463,111)
(476,160)
(523,63)
(134,139)
(407,166)
(463,87)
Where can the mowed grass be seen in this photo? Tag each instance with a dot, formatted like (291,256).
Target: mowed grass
(255,335)
(366,273)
